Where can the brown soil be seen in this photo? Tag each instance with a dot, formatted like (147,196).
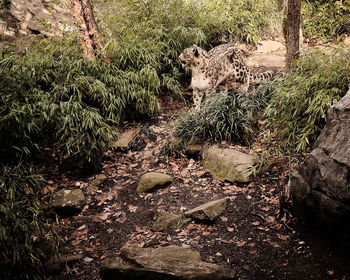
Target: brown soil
(253,236)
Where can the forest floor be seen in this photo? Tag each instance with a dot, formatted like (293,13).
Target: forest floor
(253,236)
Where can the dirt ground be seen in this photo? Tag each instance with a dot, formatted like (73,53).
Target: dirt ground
(252,237)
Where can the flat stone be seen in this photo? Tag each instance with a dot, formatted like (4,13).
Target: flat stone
(164,263)
(68,202)
(168,221)
(208,211)
(151,180)
(95,184)
(125,139)
(228,164)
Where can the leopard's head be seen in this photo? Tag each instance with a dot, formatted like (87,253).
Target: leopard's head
(191,56)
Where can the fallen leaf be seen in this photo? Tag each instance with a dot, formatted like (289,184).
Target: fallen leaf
(81,227)
(241,243)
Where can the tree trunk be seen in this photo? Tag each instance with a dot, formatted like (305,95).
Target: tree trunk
(87,27)
(292,33)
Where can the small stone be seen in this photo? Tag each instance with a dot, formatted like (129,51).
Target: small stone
(151,180)
(68,202)
(88,260)
(94,184)
(193,150)
(208,211)
(169,221)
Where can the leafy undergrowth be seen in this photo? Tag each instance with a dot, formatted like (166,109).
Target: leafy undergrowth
(299,103)
(325,18)
(252,236)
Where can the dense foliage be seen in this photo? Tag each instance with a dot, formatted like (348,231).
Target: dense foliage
(21,224)
(300,101)
(325,18)
(50,94)
(68,99)
(229,117)
(152,34)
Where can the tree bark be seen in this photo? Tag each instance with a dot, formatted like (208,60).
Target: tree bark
(292,32)
(87,27)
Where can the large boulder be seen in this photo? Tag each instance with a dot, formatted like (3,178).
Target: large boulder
(228,164)
(320,187)
(164,263)
(151,180)
(23,17)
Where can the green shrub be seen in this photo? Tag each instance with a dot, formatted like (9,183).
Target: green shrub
(240,20)
(229,117)
(49,96)
(22,224)
(300,101)
(325,19)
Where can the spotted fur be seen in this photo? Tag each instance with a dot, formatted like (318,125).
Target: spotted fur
(223,64)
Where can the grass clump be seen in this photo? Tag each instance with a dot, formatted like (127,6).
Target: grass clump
(299,102)
(229,117)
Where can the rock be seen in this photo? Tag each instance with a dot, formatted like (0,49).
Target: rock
(164,263)
(125,140)
(208,211)
(22,17)
(194,146)
(56,263)
(269,46)
(68,202)
(228,164)
(151,180)
(320,187)
(169,221)
(94,184)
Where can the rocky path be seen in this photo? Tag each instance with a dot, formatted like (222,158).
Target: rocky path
(248,235)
